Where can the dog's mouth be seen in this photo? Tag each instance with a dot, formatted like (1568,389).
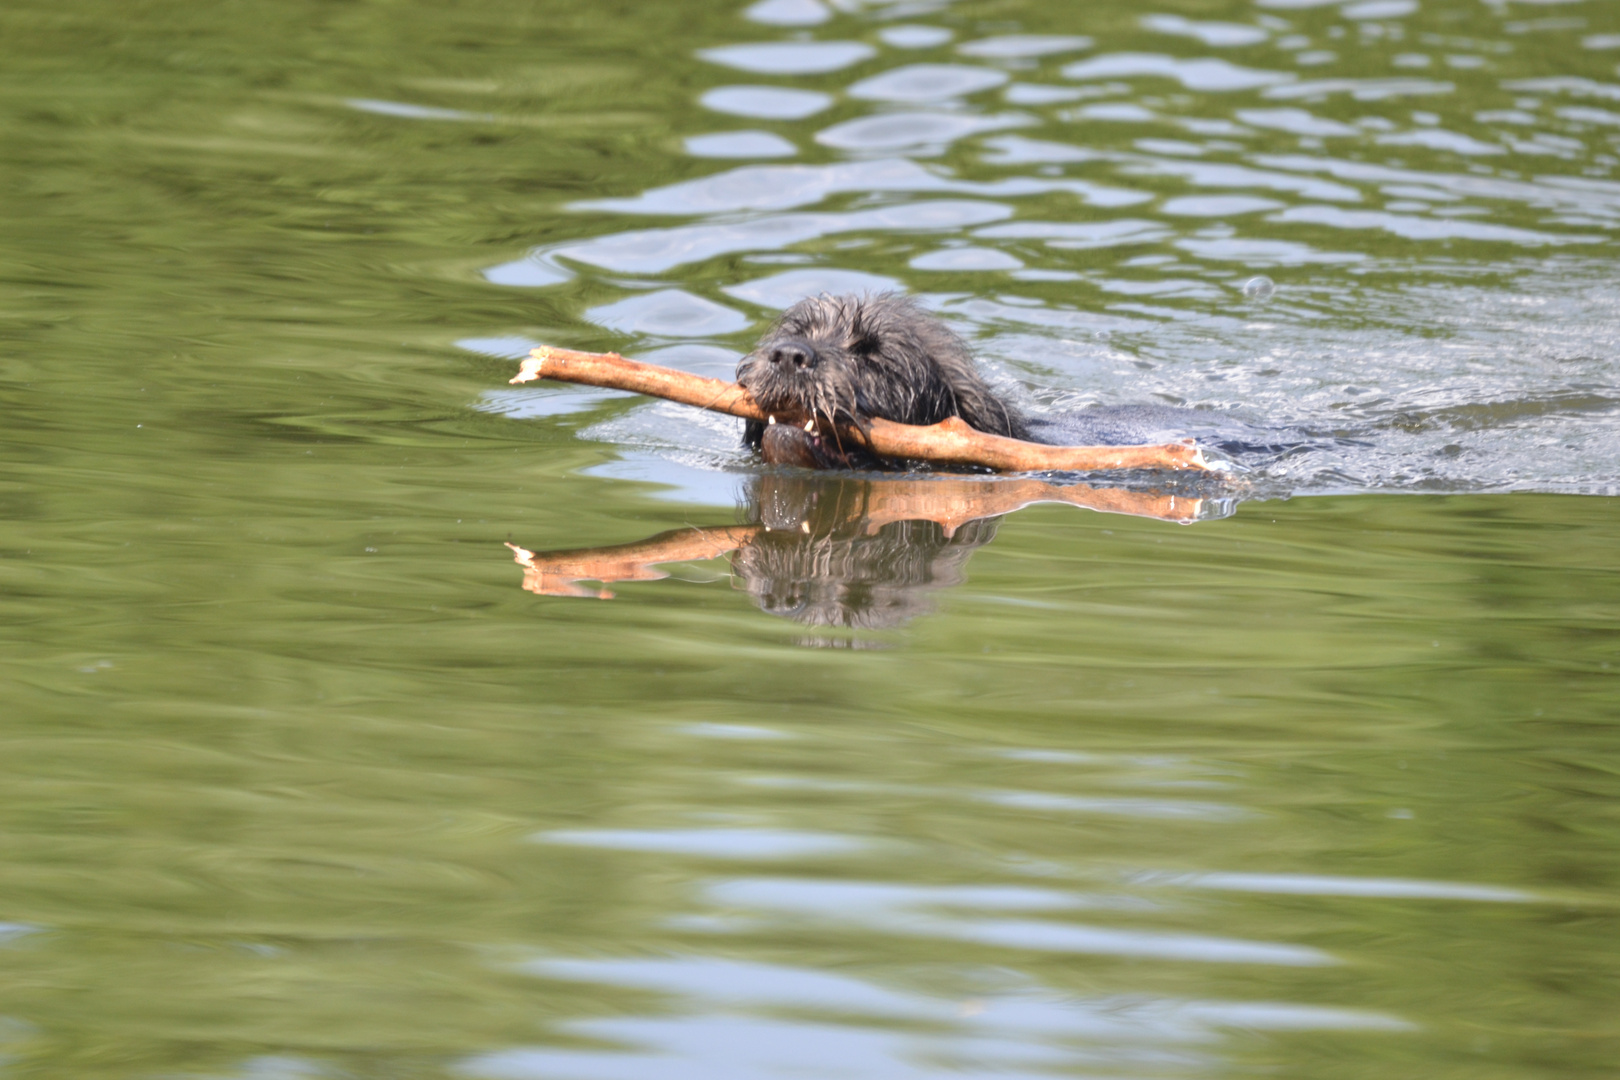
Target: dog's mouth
(783,397)
(811,444)
(803,394)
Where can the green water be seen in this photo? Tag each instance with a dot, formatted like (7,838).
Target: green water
(301,782)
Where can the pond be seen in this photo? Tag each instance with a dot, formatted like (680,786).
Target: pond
(367,716)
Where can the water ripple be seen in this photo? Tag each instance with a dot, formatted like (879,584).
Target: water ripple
(1118,209)
(1023,46)
(789,57)
(1203,74)
(766,102)
(740,144)
(655,251)
(1424,228)
(743,844)
(920,83)
(1324,885)
(1215,34)
(921,132)
(913,911)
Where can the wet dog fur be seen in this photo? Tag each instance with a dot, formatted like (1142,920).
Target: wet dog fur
(847,359)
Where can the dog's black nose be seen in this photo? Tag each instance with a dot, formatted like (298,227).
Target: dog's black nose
(794,354)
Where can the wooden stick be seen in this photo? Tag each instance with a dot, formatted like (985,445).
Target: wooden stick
(950,442)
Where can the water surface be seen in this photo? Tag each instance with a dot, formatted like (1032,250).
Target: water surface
(303,781)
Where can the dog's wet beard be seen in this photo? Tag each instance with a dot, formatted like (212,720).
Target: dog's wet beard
(845,359)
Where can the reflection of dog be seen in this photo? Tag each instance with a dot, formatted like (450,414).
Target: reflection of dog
(845,551)
(832,359)
(822,560)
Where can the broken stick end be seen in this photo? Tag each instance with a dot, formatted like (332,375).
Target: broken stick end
(531,369)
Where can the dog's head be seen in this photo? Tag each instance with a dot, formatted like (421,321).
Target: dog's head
(808,366)
(832,359)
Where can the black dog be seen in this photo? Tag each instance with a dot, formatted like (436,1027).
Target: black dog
(832,359)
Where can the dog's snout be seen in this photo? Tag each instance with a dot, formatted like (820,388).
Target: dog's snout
(793,354)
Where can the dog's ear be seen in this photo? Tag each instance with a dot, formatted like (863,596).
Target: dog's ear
(865,337)
(864,342)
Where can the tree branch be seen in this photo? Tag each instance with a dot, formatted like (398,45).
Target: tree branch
(950,442)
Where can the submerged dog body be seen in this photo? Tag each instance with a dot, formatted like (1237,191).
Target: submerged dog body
(846,359)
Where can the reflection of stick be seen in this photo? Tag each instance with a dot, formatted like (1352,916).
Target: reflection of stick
(950,442)
(556,573)
(953,503)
